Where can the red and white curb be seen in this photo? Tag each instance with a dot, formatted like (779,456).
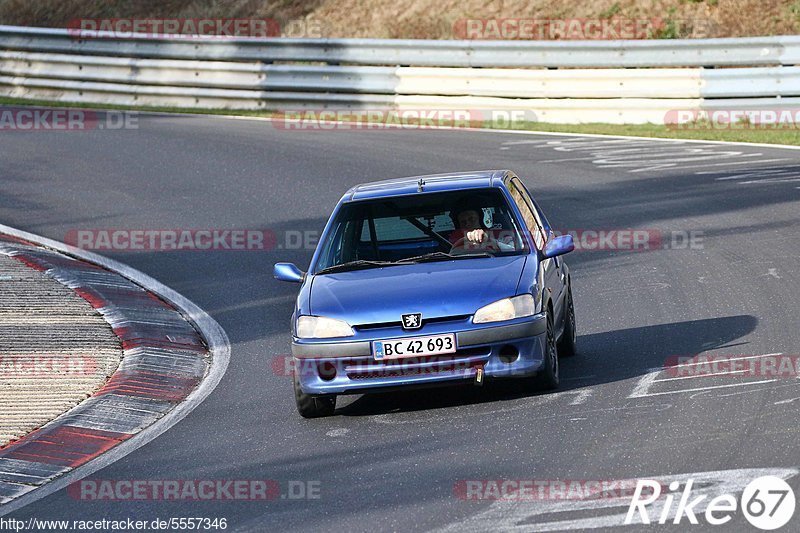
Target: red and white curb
(174,355)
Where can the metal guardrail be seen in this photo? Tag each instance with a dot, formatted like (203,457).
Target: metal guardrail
(754,51)
(516,83)
(217,74)
(593,79)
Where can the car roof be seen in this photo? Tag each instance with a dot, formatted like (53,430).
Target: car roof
(453,181)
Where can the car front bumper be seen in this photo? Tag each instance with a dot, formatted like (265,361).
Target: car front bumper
(510,349)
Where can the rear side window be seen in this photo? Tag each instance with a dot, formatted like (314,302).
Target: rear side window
(525,206)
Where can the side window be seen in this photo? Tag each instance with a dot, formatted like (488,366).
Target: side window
(529,215)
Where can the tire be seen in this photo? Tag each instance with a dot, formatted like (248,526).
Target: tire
(568,345)
(547,378)
(313,406)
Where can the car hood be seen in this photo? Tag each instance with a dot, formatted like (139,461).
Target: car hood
(437,289)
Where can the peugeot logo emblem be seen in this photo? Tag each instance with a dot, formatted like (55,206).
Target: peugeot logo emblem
(412,321)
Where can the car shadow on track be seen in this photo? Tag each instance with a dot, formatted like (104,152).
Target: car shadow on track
(602,358)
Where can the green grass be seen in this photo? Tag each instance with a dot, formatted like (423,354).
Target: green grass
(611,11)
(737,133)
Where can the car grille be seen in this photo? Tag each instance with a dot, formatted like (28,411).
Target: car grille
(382,325)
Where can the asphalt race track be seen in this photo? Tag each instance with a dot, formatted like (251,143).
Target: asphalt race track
(393,462)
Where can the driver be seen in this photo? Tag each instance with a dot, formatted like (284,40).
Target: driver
(471,231)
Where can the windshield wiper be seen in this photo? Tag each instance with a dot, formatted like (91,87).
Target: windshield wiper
(425,258)
(355,265)
(442,256)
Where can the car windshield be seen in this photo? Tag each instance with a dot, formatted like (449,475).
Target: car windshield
(420,228)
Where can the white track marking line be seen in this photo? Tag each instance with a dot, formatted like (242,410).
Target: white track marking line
(644,157)
(649,165)
(630,148)
(642,387)
(769,180)
(738,155)
(790,400)
(750,172)
(702,172)
(599,136)
(700,376)
(514,143)
(748,162)
(581,396)
(567,159)
(644,384)
(767,175)
(750,391)
(700,389)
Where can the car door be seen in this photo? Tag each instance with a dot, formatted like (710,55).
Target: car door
(550,268)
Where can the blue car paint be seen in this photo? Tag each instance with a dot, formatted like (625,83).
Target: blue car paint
(454,289)
(462,287)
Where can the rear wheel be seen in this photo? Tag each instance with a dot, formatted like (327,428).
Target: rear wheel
(568,345)
(313,406)
(547,378)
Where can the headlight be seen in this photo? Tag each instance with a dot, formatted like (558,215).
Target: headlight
(320,327)
(505,309)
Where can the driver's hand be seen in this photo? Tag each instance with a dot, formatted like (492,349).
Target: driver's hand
(477,236)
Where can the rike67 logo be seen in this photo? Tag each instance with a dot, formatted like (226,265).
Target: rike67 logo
(767,502)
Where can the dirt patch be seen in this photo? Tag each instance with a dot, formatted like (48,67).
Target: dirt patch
(421,19)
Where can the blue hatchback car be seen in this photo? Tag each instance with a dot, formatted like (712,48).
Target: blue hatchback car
(431,280)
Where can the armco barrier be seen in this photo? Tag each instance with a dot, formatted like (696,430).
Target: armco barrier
(756,51)
(563,81)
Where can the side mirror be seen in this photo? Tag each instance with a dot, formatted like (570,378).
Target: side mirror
(288,272)
(559,246)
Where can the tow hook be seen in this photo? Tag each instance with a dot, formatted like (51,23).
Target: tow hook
(479,376)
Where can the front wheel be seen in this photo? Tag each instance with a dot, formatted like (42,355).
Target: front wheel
(568,345)
(313,406)
(547,378)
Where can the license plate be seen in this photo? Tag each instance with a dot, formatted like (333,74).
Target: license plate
(414,347)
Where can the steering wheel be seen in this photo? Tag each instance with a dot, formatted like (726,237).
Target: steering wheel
(490,245)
